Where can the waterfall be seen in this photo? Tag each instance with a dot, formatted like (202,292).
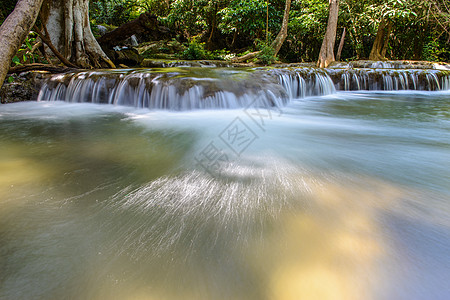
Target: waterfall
(389,79)
(167,90)
(175,90)
(305,82)
(445,83)
(228,88)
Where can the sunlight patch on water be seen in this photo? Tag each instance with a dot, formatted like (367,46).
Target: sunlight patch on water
(341,197)
(291,233)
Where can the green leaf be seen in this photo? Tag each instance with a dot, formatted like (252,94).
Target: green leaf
(10,79)
(28,44)
(16,60)
(24,58)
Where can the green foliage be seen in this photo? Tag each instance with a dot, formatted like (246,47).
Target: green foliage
(196,51)
(113,12)
(267,53)
(25,53)
(307,25)
(421,28)
(249,17)
(222,54)
(6,8)
(190,16)
(156,7)
(436,50)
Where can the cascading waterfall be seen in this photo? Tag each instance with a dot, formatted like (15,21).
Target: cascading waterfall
(305,82)
(445,85)
(166,90)
(389,79)
(228,88)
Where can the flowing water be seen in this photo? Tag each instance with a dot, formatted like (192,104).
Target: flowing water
(298,190)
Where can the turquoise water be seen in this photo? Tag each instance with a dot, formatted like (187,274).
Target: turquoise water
(344,196)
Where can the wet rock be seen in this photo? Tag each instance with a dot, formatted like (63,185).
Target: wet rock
(24,87)
(101,30)
(127,56)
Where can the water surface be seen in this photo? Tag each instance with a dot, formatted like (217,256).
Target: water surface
(344,196)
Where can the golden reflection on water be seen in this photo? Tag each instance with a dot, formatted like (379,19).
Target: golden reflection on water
(331,249)
(330,252)
(19,173)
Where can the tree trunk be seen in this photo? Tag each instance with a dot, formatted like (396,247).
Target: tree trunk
(279,40)
(67,21)
(326,55)
(418,42)
(14,30)
(213,26)
(341,45)
(380,44)
(48,42)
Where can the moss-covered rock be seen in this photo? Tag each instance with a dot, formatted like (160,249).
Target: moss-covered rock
(128,56)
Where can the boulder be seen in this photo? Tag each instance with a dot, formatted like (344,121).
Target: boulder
(123,55)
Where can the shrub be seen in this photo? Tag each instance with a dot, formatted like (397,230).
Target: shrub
(267,53)
(196,51)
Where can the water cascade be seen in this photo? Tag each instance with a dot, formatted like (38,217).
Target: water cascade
(173,89)
(207,88)
(389,79)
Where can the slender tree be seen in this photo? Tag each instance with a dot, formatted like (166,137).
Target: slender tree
(326,55)
(282,34)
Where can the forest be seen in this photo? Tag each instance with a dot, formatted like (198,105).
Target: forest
(275,30)
(419,30)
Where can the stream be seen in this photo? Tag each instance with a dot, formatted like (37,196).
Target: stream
(225,184)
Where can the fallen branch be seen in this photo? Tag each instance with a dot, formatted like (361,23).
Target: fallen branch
(40,67)
(145,22)
(245,57)
(35,46)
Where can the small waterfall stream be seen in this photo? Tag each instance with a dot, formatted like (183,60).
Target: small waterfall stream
(206,88)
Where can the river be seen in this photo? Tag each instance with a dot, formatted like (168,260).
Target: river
(344,195)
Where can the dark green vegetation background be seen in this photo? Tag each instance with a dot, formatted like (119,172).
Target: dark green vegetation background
(421,28)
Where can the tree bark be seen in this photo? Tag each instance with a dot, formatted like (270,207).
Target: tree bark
(48,42)
(380,44)
(14,30)
(245,57)
(341,45)
(67,21)
(326,55)
(40,67)
(279,40)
